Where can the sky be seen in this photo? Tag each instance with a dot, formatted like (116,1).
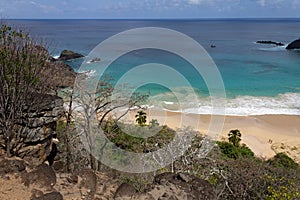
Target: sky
(144,9)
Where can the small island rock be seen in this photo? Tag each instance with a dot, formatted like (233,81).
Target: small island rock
(68,55)
(294,45)
(270,42)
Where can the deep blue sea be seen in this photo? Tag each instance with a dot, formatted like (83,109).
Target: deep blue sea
(258,78)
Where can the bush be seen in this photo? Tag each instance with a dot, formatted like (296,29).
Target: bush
(234,152)
(284,161)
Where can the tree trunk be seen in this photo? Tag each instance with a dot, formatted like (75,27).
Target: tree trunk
(93,162)
(8,150)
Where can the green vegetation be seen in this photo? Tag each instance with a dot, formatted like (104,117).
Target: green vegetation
(284,161)
(235,137)
(141,118)
(233,149)
(22,80)
(231,168)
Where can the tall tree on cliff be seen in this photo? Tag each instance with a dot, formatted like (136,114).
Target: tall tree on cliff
(22,62)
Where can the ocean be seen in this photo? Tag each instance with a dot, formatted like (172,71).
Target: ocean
(259,79)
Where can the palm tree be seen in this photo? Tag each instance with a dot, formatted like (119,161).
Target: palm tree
(235,137)
(141,118)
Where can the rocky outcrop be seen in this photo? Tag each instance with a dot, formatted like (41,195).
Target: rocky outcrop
(269,42)
(42,182)
(69,55)
(183,186)
(169,186)
(60,75)
(294,45)
(33,139)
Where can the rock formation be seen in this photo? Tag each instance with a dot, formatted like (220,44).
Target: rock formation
(270,42)
(68,55)
(294,45)
(33,138)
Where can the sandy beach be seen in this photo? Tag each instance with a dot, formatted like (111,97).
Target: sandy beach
(265,135)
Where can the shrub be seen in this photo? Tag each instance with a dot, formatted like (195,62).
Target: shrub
(284,161)
(234,152)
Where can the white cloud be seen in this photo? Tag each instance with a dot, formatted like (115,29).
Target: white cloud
(296,4)
(262,3)
(195,2)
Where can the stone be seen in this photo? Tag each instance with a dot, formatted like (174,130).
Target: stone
(49,196)
(182,186)
(42,176)
(125,190)
(87,182)
(11,166)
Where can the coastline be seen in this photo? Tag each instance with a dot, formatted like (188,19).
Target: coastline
(265,135)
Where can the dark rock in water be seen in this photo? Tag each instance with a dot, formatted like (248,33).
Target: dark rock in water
(95,60)
(270,42)
(294,45)
(68,55)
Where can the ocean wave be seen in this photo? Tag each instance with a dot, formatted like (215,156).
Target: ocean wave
(288,104)
(55,56)
(274,48)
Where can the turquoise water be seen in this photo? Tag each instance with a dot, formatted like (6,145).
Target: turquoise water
(258,78)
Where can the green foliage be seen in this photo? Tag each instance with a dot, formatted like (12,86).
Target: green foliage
(234,152)
(141,118)
(282,188)
(235,137)
(284,161)
(22,64)
(138,183)
(153,123)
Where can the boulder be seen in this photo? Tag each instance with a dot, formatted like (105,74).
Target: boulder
(87,183)
(49,196)
(69,55)
(294,45)
(182,186)
(42,176)
(10,166)
(125,190)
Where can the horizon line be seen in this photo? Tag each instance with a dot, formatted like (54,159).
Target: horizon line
(203,18)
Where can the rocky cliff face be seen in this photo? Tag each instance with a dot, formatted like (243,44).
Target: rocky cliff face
(34,133)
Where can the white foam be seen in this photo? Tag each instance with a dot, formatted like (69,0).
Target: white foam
(274,48)
(288,104)
(168,102)
(56,56)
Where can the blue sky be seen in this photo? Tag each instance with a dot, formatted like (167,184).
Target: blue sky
(101,9)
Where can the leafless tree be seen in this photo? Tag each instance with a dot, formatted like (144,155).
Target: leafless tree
(95,110)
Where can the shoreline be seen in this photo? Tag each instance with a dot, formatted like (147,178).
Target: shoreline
(265,135)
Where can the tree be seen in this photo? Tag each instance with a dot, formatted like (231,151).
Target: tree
(96,110)
(141,118)
(153,123)
(22,62)
(235,137)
